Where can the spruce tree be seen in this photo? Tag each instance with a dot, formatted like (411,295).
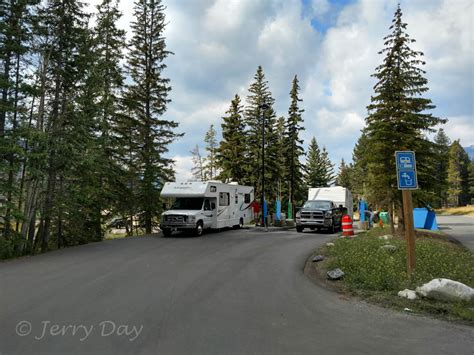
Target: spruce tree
(441,160)
(458,175)
(315,171)
(398,117)
(147,98)
(17,19)
(230,154)
(328,168)
(293,147)
(259,113)
(344,176)
(109,43)
(210,164)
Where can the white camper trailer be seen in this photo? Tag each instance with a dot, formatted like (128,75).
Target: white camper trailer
(337,194)
(200,205)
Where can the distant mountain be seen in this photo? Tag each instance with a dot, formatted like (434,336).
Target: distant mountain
(470,151)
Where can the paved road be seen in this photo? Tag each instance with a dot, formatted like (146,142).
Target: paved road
(235,292)
(460,227)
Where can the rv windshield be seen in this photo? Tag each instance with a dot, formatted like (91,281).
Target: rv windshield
(187,204)
(315,205)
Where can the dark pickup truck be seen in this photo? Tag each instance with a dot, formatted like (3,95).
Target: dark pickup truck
(319,214)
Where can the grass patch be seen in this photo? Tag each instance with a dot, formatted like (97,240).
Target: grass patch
(457,211)
(377,275)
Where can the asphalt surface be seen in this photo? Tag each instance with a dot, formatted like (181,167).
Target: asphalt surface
(459,227)
(233,292)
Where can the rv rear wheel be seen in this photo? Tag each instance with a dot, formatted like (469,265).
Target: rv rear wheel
(199,229)
(241,223)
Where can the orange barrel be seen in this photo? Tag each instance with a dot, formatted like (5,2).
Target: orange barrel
(347,229)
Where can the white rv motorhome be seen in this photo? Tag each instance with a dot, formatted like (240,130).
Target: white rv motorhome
(337,194)
(200,205)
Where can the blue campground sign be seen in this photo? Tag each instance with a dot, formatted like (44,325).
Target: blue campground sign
(406,170)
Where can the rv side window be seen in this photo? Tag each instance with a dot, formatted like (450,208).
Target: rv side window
(207,205)
(247,198)
(223,199)
(213,188)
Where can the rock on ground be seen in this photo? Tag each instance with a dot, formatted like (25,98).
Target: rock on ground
(406,293)
(335,274)
(446,290)
(318,258)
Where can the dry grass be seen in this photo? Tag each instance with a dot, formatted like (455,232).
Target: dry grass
(457,211)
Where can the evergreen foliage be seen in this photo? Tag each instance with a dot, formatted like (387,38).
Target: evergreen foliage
(458,175)
(147,98)
(210,163)
(259,113)
(344,176)
(75,149)
(398,117)
(231,151)
(441,160)
(293,143)
(316,166)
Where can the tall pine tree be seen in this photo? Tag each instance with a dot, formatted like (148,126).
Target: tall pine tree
(259,113)
(293,147)
(398,115)
(147,98)
(230,154)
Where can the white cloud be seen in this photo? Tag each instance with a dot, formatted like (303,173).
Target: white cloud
(183,166)
(218,45)
(461,127)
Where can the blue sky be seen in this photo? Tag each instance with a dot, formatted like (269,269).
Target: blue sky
(331,45)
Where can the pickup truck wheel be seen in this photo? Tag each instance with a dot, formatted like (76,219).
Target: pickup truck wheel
(299,229)
(199,229)
(167,232)
(333,228)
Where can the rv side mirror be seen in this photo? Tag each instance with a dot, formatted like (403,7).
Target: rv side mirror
(213,205)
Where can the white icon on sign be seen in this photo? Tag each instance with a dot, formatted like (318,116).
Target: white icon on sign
(408,179)
(406,162)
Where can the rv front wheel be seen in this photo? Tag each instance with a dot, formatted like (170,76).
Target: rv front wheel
(199,229)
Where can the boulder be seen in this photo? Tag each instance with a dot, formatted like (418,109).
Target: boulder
(329,244)
(386,237)
(446,290)
(335,274)
(317,258)
(406,293)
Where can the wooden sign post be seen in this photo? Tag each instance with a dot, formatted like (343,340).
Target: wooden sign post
(407,181)
(409,230)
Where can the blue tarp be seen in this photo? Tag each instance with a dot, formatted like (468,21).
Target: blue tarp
(278,210)
(424,219)
(362,209)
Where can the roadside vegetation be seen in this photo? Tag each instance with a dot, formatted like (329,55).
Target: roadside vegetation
(457,211)
(377,275)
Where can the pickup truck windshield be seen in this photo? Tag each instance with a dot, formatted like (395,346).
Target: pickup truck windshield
(315,205)
(187,204)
